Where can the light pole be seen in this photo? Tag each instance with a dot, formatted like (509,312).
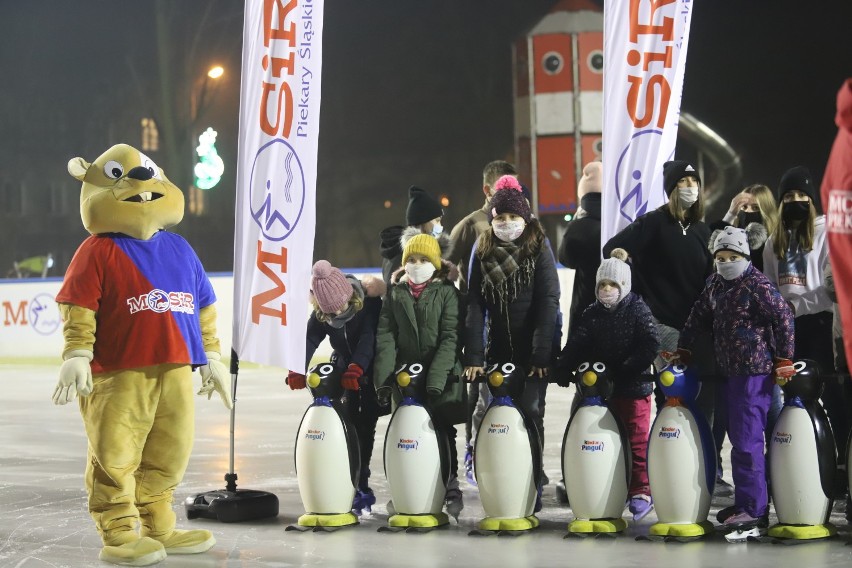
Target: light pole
(199,104)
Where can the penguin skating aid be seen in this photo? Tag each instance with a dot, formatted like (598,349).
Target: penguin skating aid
(416,457)
(327,457)
(596,461)
(507,457)
(802,462)
(681,460)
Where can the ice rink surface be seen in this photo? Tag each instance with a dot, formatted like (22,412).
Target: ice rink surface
(44,521)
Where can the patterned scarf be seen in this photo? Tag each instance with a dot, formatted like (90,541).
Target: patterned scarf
(417,289)
(504,275)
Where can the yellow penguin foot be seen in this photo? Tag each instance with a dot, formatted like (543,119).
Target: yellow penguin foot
(139,552)
(186,542)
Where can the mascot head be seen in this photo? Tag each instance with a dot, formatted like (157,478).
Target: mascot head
(125,192)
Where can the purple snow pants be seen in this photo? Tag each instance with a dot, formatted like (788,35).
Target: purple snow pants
(748,400)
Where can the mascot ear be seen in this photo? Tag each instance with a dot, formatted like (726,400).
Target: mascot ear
(78,167)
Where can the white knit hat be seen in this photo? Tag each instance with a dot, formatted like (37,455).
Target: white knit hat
(732,239)
(615,270)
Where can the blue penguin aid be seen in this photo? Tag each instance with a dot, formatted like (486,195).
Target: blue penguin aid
(327,458)
(681,460)
(417,458)
(802,462)
(596,458)
(507,457)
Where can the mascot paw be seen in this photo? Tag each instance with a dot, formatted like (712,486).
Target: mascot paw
(186,542)
(141,552)
(215,377)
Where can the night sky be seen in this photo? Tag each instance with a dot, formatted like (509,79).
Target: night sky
(413,93)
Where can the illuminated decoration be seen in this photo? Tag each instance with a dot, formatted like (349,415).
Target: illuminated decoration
(445,201)
(209,169)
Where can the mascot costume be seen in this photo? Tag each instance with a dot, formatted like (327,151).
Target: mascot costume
(139,317)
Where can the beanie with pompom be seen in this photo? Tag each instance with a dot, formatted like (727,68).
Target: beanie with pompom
(330,287)
(615,269)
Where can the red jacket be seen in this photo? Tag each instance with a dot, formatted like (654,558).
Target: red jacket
(836,193)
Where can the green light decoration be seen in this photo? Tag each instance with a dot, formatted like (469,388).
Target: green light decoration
(209,169)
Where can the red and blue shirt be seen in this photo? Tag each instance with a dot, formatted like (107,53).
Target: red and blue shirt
(147,296)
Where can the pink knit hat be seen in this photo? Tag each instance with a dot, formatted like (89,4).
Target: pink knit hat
(330,287)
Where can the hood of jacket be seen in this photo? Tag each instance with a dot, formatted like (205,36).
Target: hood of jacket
(390,247)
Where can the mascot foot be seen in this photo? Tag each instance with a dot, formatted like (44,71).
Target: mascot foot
(186,542)
(141,552)
(597,526)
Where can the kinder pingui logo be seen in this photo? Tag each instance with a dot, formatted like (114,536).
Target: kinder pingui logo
(669,432)
(592,446)
(160,302)
(782,438)
(407,444)
(318,435)
(498,428)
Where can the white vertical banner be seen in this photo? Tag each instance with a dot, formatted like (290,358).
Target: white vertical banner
(645,43)
(276,179)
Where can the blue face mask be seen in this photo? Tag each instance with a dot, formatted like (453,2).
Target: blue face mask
(437,229)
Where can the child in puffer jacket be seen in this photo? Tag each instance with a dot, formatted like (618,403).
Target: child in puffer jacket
(753,336)
(619,331)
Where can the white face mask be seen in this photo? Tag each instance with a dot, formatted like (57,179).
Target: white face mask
(609,298)
(508,231)
(687,195)
(437,229)
(732,269)
(419,273)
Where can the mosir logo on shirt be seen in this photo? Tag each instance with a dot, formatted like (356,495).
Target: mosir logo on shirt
(669,432)
(592,446)
(159,301)
(407,444)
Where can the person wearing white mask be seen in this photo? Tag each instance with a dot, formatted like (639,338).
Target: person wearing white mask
(752,329)
(419,323)
(670,262)
(423,215)
(513,280)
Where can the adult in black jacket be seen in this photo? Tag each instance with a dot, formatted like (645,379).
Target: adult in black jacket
(580,248)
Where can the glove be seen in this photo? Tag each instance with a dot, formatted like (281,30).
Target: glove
(215,377)
(349,379)
(564,377)
(383,396)
(295,380)
(783,370)
(680,356)
(75,376)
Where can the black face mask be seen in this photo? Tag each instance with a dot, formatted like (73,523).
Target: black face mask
(744,218)
(796,211)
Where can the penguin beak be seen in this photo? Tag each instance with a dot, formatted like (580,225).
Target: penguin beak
(495,379)
(589,378)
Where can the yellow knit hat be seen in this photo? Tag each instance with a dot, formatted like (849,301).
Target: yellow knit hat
(427,245)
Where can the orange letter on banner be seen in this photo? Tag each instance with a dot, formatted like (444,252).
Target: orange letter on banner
(278,32)
(287,95)
(666,29)
(258,303)
(633,100)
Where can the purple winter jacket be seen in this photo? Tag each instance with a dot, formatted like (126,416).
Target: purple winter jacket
(751,323)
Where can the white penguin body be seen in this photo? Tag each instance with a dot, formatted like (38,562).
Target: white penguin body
(413,462)
(323,467)
(678,468)
(797,493)
(503,461)
(595,465)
